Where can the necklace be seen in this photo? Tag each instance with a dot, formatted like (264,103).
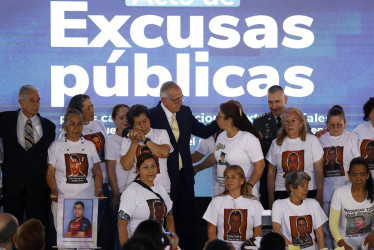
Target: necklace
(82,143)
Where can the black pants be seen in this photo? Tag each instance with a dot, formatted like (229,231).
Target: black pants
(278,195)
(184,214)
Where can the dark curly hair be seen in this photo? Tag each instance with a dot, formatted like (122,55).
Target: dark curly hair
(367,108)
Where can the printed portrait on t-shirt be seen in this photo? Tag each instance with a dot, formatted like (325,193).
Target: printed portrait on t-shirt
(98,140)
(301,229)
(221,166)
(77,218)
(157,210)
(333,161)
(367,152)
(144,149)
(292,160)
(76,168)
(235,224)
(358,224)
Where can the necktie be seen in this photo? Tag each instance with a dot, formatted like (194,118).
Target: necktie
(175,129)
(279,124)
(29,135)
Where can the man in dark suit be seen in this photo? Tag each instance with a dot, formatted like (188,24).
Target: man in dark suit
(179,122)
(26,138)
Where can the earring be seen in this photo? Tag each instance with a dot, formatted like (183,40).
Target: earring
(291,193)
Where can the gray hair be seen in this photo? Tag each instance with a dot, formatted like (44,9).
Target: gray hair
(70,112)
(294,179)
(9,228)
(24,89)
(275,88)
(167,85)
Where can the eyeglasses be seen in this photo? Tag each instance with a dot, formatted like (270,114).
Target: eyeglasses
(338,125)
(179,99)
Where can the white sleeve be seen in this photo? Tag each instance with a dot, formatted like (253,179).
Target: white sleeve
(165,139)
(270,157)
(276,213)
(203,148)
(93,152)
(253,149)
(211,213)
(319,216)
(52,159)
(355,145)
(111,149)
(317,150)
(128,201)
(336,202)
(125,145)
(257,218)
(166,198)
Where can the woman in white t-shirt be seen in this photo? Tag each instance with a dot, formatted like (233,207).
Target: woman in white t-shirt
(294,149)
(297,217)
(94,131)
(116,174)
(73,165)
(144,199)
(365,133)
(239,144)
(142,138)
(339,147)
(234,215)
(352,209)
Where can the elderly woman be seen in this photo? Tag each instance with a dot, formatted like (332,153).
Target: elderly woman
(352,209)
(339,147)
(74,166)
(234,215)
(238,144)
(365,133)
(143,138)
(144,199)
(294,149)
(297,217)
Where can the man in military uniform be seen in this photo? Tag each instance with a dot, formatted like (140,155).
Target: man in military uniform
(268,124)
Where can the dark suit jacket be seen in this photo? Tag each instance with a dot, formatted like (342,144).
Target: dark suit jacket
(24,169)
(188,125)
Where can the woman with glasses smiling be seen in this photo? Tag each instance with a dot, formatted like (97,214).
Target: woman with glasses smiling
(339,147)
(294,149)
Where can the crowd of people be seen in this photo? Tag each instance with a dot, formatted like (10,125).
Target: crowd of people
(319,187)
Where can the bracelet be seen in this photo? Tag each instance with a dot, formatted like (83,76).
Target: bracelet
(146,140)
(249,184)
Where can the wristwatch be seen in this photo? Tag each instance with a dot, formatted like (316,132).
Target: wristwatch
(146,140)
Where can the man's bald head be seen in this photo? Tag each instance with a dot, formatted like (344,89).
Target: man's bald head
(8,229)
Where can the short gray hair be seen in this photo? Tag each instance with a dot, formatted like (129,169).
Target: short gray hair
(70,112)
(24,89)
(294,179)
(167,85)
(275,88)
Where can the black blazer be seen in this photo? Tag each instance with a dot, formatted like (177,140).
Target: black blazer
(24,170)
(188,125)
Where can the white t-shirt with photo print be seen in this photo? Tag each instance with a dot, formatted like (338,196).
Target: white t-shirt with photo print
(134,203)
(218,214)
(284,212)
(94,127)
(343,201)
(243,149)
(312,152)
(158,136)
(348,141)
(56,157)
(365,133)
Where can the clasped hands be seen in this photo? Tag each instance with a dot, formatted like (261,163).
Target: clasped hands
(136,135)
